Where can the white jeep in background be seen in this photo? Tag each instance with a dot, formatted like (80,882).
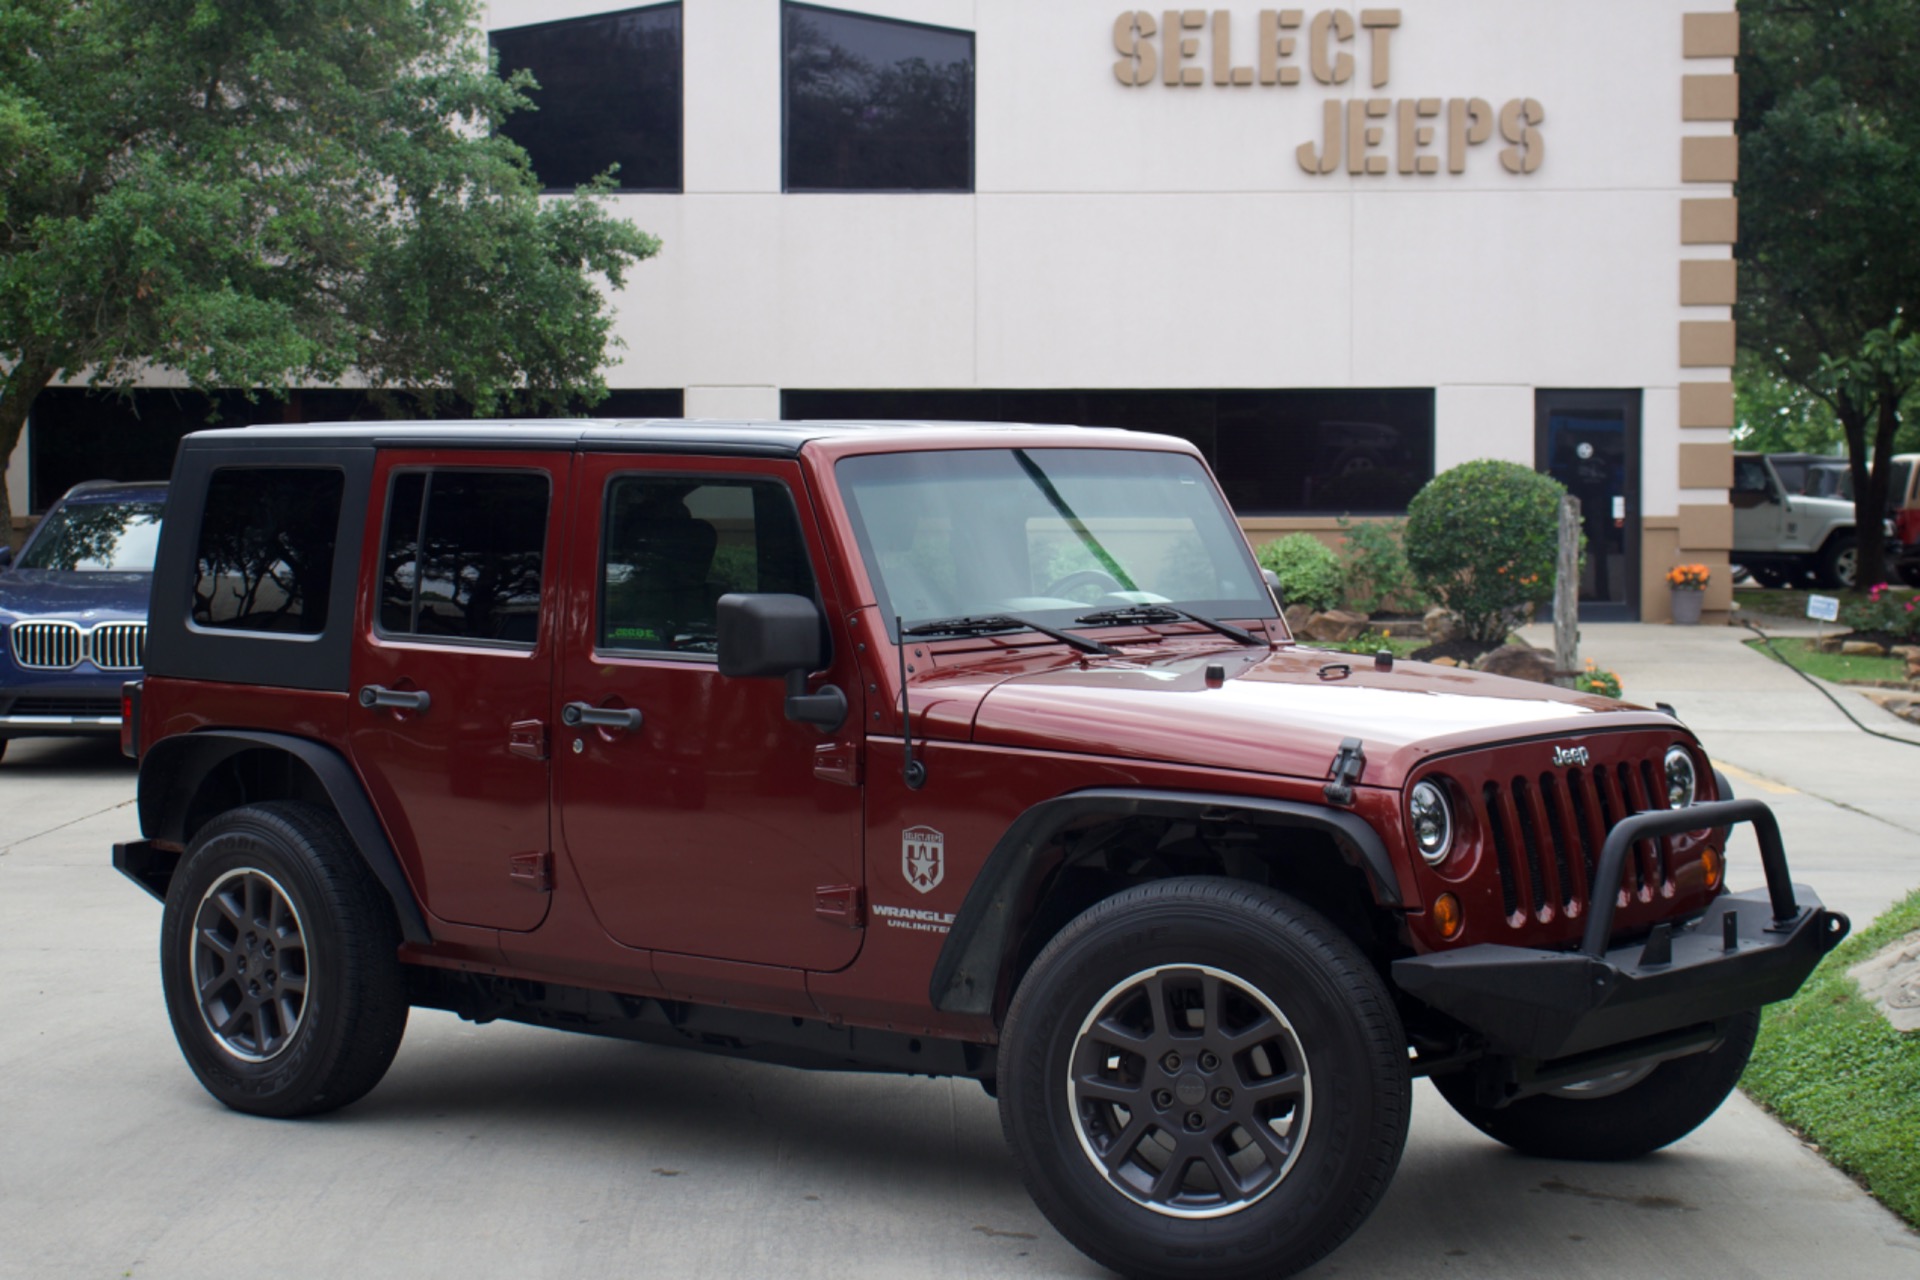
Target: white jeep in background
(1793,517)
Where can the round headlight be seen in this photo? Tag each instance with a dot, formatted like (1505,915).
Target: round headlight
(1682,782)
(1432,821)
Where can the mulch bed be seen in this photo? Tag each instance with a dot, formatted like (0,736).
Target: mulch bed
(1464,652)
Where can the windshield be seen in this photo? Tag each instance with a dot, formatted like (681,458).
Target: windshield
(1049,534)
(96,537)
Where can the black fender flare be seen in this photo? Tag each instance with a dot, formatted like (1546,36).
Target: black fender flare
(171,771)
(966,976)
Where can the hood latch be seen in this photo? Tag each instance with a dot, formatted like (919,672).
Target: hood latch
(1348,764)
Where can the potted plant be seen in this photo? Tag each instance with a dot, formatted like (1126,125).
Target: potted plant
(1689,583)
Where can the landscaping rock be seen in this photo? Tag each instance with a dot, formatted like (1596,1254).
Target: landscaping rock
(1911,652)
(1445,662)
(1891,979)
(1336,625)
(1862,649)
(1296,616)
(1441,625)
(1520,662)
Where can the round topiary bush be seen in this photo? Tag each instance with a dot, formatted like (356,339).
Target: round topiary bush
(1481,539)
(1310,573)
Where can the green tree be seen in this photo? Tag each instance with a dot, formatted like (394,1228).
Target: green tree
(1830,194)
(258,193)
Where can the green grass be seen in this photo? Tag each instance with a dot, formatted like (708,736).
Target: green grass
(1832,1067)
(1832,666)
(1787,602)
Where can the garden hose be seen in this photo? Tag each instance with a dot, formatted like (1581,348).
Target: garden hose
(1825,692)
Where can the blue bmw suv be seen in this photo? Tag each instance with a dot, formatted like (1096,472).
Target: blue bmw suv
(73,610)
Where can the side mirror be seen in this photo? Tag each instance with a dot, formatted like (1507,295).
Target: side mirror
(1273,585)
(6,556)
(780,637)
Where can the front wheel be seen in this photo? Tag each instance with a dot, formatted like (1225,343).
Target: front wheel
(279,959)
(1204,1078)
(1617,1116)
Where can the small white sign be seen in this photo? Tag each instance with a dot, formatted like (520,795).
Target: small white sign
(1824,608)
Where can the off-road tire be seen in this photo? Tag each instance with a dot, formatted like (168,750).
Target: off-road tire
(1670,1102)
(1338,1031)
(1839,562)
(274,924)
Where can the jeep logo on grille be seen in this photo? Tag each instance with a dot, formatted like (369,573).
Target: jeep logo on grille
(1569,755)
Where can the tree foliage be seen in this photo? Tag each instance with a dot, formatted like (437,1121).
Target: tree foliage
(1830,194)
(1482,539)
(1308,570)
(259,193)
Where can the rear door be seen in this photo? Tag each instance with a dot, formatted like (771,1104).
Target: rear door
(699,818)
(453,672)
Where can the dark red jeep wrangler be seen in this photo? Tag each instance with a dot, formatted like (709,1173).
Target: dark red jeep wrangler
(948,750)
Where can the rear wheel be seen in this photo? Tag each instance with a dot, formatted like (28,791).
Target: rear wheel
(1204,1078)
(1616,1116)
(278,956)
(1839,562)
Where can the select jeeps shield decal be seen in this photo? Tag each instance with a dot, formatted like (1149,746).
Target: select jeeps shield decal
(1569,755)
(923,857)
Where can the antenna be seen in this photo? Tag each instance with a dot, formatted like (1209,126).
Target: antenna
(912,771)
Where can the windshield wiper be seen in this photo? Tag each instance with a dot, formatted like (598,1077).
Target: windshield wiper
(981,624)
(1168,613)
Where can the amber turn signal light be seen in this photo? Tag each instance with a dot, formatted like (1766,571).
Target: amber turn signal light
(1710,865)
(1447,916)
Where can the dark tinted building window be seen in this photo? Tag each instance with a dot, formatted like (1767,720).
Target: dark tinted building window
(609,94)
(876,105)
(1282,452)
(265,556)
(676,544)
(463,555)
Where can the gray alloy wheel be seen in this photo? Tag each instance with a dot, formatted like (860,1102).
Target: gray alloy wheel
(249,964)
(1191,1093)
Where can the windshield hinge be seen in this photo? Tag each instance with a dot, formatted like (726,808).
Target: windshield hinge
(1348,764)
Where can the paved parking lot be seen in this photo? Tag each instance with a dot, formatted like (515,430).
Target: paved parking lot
(507,1151)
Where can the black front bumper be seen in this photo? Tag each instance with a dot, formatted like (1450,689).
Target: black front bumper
(1747,950)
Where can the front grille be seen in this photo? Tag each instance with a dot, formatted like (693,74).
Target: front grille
(119,646)
(62,646)
(46,646)
(1547,831)
(93,707)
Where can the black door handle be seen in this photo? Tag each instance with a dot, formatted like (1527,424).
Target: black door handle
(373,695)
(579,713)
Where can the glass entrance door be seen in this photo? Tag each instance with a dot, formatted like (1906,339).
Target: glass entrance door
(1590,442)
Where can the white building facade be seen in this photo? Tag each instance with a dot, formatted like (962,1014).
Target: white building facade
(1340,248)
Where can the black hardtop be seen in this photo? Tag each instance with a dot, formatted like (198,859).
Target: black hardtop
(669,435)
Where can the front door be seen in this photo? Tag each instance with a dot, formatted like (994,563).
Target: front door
(1590,442)
(452,675)
(698,817)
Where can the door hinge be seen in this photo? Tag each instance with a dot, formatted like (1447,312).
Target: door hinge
(534,870)
(527,739)
(839,903)
(837,762)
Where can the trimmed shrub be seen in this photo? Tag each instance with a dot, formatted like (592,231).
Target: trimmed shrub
(1309,571)
(1481,539)
(1378,579)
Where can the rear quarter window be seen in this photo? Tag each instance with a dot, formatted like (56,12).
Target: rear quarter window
(264,559)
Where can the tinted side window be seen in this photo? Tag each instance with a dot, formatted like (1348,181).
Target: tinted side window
(265,556)
(876,105)
(674,545)
(609,94)
(464,555)
(1749,475)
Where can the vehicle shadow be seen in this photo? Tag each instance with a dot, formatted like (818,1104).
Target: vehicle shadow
(87,757)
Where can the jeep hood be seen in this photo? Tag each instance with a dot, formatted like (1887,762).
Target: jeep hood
(1284,712)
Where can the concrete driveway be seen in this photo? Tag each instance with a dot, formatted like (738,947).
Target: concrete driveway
(512,1152)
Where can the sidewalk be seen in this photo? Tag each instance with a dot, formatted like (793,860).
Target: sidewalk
(1848,803)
